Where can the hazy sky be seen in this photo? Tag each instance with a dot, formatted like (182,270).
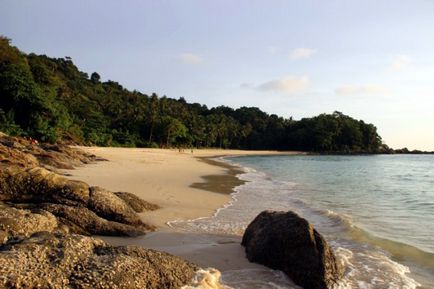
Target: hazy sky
(371,59)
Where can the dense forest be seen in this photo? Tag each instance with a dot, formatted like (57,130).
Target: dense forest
(51,100)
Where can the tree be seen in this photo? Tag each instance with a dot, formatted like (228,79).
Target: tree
(173,129)
(51,99)
(95,78)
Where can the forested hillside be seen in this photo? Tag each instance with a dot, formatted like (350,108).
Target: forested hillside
(52,100)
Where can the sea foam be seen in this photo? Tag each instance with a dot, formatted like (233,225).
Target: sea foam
(367,267)
(209,278)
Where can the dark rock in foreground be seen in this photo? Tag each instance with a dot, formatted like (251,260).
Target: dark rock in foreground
(47,260)
(287,242)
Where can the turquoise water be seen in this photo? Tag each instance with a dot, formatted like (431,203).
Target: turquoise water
(377,213)
(388,200)
(391,197)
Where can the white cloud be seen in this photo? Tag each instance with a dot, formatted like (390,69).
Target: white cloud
(288,84)
(369,89)
(191,58)
(302,53)
(400,62)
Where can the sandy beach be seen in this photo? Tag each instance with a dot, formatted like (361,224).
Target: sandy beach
(184,184)
(187,185)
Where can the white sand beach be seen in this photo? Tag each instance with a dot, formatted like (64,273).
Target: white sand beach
(165,177)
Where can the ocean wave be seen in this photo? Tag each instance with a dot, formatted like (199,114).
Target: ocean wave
(371,269)
(258,279)
(368,259)
(209,278)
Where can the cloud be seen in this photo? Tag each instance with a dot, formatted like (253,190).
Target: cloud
(288,84)
(400,62)
(191,58)
(369,89)
(302,53)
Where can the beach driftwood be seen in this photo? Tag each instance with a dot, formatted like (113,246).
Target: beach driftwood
(287,242)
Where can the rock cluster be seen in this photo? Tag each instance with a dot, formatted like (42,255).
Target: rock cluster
(25,153)
(287,242)
(55,260)
(82,209)
(44,217)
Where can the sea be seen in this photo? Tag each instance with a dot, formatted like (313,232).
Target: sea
(375,211)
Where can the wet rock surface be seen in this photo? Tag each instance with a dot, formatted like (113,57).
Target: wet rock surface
(287,242)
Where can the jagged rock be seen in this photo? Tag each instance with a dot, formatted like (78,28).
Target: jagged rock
(287,242)
(15,223)
(85,210)
(106,204)
(11,156)
(25,153)
(81,220)
(136,203)
(47,260)
(40,185)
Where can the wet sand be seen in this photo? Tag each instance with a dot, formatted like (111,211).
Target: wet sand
(186,186)
(223,184)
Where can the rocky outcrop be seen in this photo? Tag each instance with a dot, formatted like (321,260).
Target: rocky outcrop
(109,206)
(42,214)
(83,209)
(137,204)
(287,242)
(47,260)
(37,185)
(18,223)
(24,152)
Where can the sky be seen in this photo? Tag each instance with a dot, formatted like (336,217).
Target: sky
(370,59)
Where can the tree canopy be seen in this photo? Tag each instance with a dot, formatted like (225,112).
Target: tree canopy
(52,100)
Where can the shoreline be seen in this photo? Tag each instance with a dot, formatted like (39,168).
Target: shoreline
(185,185)
(206,179)
(224,184)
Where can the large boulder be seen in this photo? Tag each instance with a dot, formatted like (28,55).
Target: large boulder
(17,223)
(24,152)
(137,204)
(85,210)
(38,185)
(48,260)
(109,206)
(287,242)
(81,220)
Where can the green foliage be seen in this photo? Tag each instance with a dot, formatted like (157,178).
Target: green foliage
(51,99)
(7,124)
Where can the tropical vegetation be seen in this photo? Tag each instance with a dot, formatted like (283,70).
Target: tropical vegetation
(51,100)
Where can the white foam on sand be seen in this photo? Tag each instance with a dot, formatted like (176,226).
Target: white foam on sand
(367,267)
(207,279)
